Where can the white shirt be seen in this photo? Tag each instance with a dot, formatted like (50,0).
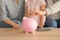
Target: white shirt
(35,4)
(12,10)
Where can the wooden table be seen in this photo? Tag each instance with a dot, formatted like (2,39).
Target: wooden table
(10,34)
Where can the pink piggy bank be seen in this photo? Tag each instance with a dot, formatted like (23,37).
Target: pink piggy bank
(29,24)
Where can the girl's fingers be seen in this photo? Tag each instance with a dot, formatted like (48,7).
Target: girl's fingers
(33,11)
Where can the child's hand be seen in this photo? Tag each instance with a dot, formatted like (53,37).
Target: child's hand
(33,12)
(37,12)
(41,12)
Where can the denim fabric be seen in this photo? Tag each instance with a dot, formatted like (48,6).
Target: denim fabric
(51,23)
(58,22)
(4,25)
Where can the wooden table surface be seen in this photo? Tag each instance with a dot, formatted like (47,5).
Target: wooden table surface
(10,34)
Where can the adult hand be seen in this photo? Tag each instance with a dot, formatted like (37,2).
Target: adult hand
(13,24)
(16,26)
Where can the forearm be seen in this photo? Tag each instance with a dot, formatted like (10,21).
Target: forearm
(26,11)
(43,7)
(8,21)
(27,14)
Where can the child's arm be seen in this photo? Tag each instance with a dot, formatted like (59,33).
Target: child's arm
(28,14)
(42,5)
(43,8)
(26,11)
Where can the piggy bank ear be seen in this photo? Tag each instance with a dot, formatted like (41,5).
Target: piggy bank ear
(24,18)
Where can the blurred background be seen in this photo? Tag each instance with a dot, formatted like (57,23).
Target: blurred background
(49,3)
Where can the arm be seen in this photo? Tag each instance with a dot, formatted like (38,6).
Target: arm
(13,24)
(43,6)
(26,11)
(5,18)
